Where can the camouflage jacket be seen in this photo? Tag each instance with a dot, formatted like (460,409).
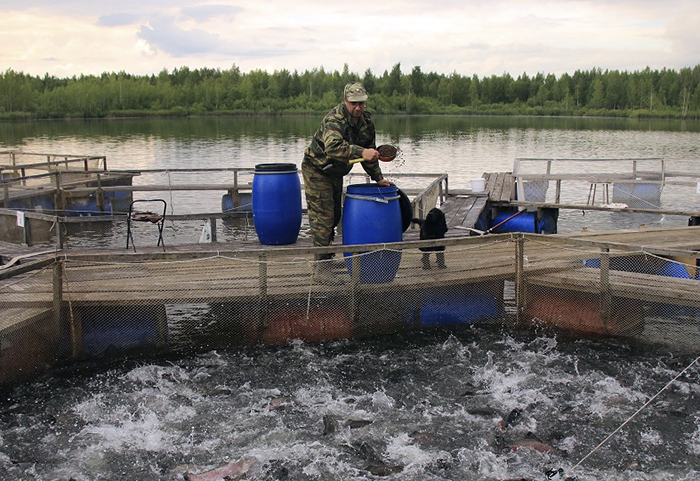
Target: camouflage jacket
(338,140)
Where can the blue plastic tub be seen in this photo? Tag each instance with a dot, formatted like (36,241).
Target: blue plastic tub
(525,222)
(276,203)
(372,215)
(244,203)
(441,309)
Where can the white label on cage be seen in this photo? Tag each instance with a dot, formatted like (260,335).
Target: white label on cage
(20,219)
(206,232)
(697,188)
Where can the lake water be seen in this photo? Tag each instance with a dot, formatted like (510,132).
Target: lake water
(463,147)
(441,405)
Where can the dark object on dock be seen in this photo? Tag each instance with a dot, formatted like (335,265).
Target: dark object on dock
(406,210)
(145,216)
(434,226)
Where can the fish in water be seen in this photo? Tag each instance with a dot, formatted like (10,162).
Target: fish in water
(512,418)
(434,226)
(375,464)
(533,442)
(331,424)
(280,403)
(228,472)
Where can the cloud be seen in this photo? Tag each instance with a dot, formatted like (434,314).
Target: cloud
(165,35)
(117,20)
(202,13)
(465,36)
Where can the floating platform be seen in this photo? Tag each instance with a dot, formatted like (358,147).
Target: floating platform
(78,303)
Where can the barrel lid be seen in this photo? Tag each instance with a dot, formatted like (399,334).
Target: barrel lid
(371,189)
(276,167)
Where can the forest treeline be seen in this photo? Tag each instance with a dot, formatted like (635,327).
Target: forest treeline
(183,91)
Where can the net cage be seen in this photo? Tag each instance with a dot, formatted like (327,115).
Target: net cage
(87,308)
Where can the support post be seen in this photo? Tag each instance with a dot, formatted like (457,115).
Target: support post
(27,232)
(519,277)
(57,306)
(235,198)
(605,292)
(212,223)
(355,285)
(262,297)
(60,196)
(100,194)
(59,233)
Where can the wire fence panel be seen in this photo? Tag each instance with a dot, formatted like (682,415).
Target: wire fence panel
(76,309)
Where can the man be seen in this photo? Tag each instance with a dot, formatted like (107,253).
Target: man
(346,133)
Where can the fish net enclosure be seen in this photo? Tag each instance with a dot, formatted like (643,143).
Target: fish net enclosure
(86,307)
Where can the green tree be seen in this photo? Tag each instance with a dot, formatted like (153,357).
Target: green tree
(393,84)
(614,91)
(417,81)
(597,100)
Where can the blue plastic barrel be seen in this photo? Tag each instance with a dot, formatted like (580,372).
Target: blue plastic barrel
(276,203)
(372,215)
(523,222)
(441,307)
(674,269)
(547,224)
(244,203)
(87,206)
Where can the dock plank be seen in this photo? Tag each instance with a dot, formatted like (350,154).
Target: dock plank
(462,212)
(457,208)
(500,186)
(642,287)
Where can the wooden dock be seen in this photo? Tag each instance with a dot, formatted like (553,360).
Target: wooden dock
(51,295)
(269,294)
(202,274)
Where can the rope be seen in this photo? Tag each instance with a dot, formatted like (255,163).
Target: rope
(66,286)
(560,472)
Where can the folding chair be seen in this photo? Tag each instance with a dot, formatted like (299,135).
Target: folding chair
(145,216)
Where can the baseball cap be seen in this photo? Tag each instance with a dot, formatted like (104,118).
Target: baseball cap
(355,92)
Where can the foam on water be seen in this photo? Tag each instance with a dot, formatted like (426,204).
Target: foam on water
(439,406)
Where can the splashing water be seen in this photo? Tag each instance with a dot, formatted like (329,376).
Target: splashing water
(473,404)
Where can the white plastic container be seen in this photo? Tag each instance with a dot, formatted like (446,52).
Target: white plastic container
(478,185)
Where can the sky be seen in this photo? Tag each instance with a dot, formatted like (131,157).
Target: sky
(468,37)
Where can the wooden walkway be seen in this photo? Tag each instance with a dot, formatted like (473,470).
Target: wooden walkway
(462,210)
(470,259)
(462,213)
(179,278)
(620,284)
(227,278)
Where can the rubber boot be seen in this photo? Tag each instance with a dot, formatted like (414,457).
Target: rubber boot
(441,260)
(426,260)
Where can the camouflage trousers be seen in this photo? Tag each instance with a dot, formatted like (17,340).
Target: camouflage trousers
(324,195)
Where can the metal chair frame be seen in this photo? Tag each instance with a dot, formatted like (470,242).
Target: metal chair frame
(134,217)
